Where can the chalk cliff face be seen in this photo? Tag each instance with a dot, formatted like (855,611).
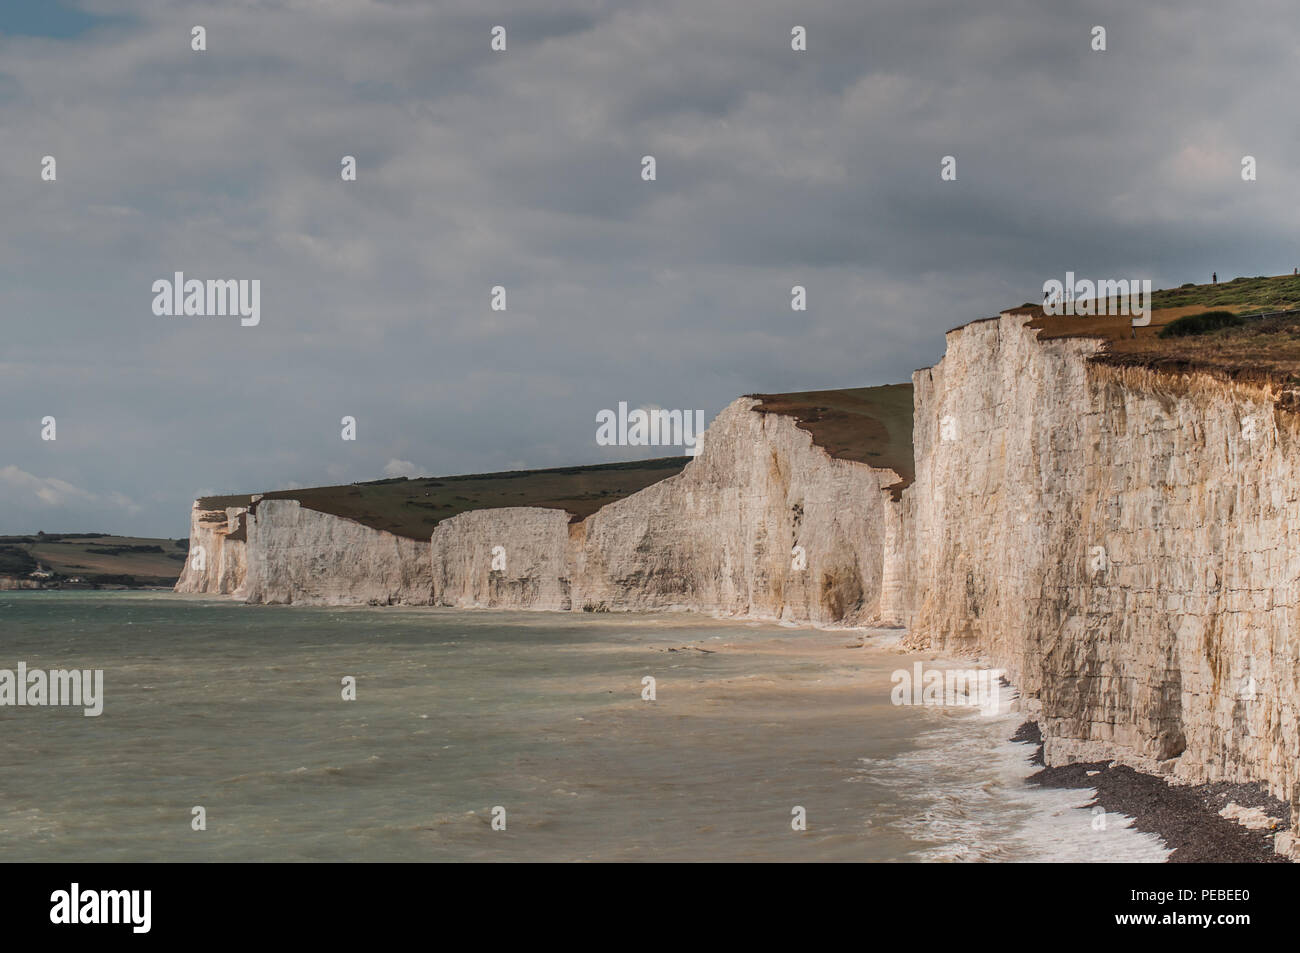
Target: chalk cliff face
(279,552)
(762,524)
(510,558)
(217,561)
(1126,545)
(301,555)
(719,537)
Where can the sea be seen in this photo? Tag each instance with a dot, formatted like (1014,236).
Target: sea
(231,732)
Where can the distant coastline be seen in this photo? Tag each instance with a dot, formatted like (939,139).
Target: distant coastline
(89,561)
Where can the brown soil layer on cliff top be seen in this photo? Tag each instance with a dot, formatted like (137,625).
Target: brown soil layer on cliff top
(1264,351)
(871,425)
(413,507)
(1115,329)
(1185,817)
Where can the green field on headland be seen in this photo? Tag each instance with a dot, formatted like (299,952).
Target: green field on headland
(1264,350)
(870,425)
(87,560)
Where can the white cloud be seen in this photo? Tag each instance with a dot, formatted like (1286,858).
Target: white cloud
(30,502)
(124,502)
(50,491)
(401,468)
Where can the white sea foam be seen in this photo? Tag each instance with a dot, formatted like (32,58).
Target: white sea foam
(972,800)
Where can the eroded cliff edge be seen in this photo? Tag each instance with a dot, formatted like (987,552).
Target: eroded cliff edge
(1125,543)
(280,552)
(762,524)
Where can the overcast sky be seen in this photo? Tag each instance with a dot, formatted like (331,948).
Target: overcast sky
(523,169)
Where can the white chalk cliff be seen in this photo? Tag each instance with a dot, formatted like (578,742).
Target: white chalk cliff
(720,536)
(279,552)
(1125,544)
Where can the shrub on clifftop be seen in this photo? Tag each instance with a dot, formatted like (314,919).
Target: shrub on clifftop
(1201,323)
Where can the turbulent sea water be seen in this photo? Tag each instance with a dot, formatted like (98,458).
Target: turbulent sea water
(238,709)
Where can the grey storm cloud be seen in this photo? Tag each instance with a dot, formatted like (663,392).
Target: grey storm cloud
(522,169)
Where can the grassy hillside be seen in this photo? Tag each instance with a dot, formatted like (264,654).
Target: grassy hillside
(413,507)
(871,425)
(1265,349)
(94,558)
(1246,295)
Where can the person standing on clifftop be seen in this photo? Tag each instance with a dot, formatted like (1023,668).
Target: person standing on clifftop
(1214,277)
